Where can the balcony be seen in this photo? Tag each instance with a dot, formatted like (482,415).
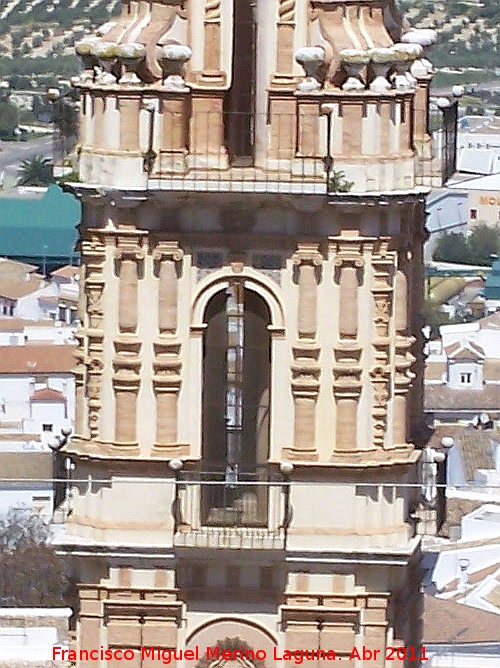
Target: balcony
(213,511)
(178,146)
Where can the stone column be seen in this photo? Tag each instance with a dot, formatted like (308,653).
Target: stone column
(167,362)
(212,74)
(347,386)
(126,363)
(305,369)
(285,34)
(94,255)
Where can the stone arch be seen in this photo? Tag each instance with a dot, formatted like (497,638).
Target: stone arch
(223,629)
(252,280)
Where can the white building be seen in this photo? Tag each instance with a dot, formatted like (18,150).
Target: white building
(36,392)
(462,376)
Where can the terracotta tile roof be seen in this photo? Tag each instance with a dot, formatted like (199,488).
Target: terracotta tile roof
(47,394)
(491,369)
(446,621)
(15,288)
(14,267)
(455,510)
(67,271)
(470,351)
(435,370)
(19,438)
(453,347)
(473,578)
(52,300)
(476,450)
(43,358)
(18,324)
(490,321)
(440,397)
(28,465)
(493,596)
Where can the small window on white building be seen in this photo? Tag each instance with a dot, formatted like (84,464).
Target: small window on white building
(465,379)
(48,427)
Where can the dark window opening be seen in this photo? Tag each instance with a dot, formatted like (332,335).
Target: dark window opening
(240,102)
(236,407)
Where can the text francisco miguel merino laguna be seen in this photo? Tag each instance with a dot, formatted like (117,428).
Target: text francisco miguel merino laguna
(297,656)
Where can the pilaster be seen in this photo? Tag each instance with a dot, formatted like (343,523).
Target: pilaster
(285,37)
(307,262)
(94,254)
(129,256)
(167,363)
(347,369)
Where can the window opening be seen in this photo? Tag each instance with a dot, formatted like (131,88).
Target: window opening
(236,408)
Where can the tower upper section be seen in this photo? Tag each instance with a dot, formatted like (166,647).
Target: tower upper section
(256,96)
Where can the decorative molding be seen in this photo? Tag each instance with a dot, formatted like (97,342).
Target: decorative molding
(381,379)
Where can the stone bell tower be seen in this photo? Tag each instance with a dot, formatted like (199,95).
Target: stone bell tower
(249,374)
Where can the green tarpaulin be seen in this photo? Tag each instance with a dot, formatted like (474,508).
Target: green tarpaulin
(35,228)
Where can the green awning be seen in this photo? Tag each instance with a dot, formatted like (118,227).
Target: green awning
(38,227)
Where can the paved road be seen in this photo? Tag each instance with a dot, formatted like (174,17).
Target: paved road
(11,154)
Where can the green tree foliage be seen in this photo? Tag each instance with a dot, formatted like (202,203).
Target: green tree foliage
(36,171)
(480,247)
(483,243)
(31,574)
(8,119)
(452,248)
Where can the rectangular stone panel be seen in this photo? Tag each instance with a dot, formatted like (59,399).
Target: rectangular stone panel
(124,632)
(159,632)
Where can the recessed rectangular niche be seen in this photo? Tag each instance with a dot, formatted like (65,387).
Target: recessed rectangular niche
(209,259)
(267,261)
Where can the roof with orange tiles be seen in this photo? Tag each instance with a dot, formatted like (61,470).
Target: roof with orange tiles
(490,321)
(446,621)
(18,324)
(67,271)
(11,267)
(435,370)
(47,394)
(41,358)
(25,465)
(440,397)
(15,287)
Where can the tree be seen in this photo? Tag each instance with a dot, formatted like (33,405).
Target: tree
(36,171)
(8,119)
(483,242)
(452,247)
(31,573)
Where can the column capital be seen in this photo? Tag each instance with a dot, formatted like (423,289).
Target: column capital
(307,254)
(168,250)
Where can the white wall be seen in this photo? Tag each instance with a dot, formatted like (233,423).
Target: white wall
(15,404)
